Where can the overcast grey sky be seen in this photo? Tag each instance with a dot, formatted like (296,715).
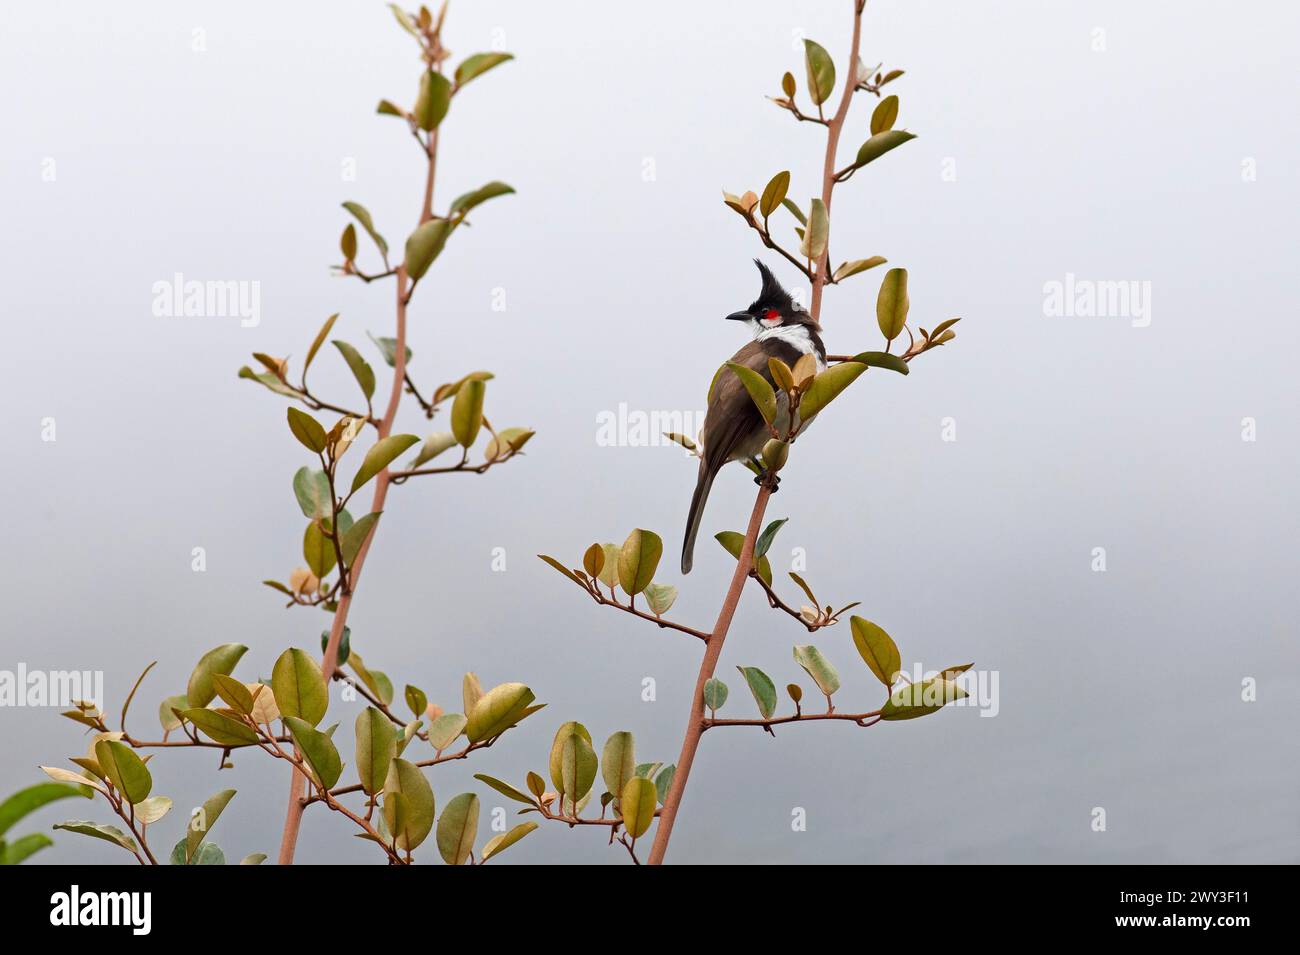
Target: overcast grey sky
(1157,150)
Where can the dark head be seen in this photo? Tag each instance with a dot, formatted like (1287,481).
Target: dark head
(773,308)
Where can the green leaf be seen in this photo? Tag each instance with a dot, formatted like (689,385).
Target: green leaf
(150,810)
(317,749)
(913,700)
(299,686)
(880,359)
(457,828)
(760,684)
(124,769)
(356,535)
(383,453)
(497,710)
(406,779)
(376,747)
(794,211)
(220,659)
(879,144)
(471,691)
(467,412)
(759,388)
(362,215)
(660,597)
(107,833)
(444,730)
(764,542)
(322,334)
(220,729)
(715,694)
(312,489)
(404,20)
(433,101)
(818,667)
(424,245)
(505,789)
(207,853)
(388,349)
(166,715)
(269,381)
(34,797)
(477,64)
(609,571)
(638,559)
(877,650)
(16,852)
(637,805)
(854,266)
(819,228)
(464,203)
(618,761)
(774,193)
(202,821)
(573,762)
(733,542)
(416,700)
(376,681)
(253,858)
(434,445)
(827,386)
(361,370)
(236,695)
(500,843)
(306,429)
(506,440)
(317,549)
(885,114)
(821,71)
(892,303)
(664,781)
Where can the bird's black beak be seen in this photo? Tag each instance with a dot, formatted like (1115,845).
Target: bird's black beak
(739,317)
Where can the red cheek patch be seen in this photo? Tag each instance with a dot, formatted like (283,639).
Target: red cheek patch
(772,315)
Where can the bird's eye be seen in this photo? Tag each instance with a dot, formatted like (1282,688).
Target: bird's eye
(771,315)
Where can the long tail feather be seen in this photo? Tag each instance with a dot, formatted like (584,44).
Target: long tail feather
(702,485)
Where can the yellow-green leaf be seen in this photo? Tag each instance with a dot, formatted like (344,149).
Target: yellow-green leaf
(818,231)
(821,71)
(497,710)
(637,805)
(433,101)
(818,667)
(759,388)
(361,370)
(444,730)
(638,559)
(124,769)
(203,819)
(764,690)
(573,762)
(618,761)
(877,650)
(220,729)
(500,843)
(457,828)
(362,215)
(733,542)
(406,779)
(477,64)
(376,747)
(773,193)
(892,303)
(827,386)
(885,114)
(222,659)
(299,686)
(854,266)
(467,412)
(881,143)
(920,699)
(317,749)
(382,454)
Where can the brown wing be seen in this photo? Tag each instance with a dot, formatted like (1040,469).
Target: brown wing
(731,417)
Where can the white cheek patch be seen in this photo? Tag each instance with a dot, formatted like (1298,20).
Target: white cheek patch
(771,322)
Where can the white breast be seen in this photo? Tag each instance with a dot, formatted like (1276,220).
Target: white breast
(795,336)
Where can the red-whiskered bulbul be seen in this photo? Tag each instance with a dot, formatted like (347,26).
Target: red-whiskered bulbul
(733,428)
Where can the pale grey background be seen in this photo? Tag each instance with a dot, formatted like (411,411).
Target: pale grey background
(1119,690)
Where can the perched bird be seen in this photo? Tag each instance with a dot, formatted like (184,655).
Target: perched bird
(733,428)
